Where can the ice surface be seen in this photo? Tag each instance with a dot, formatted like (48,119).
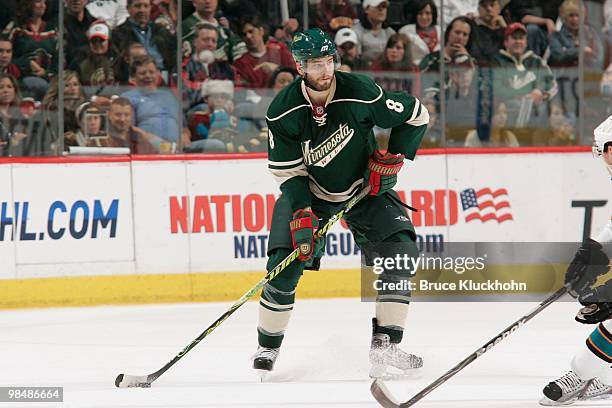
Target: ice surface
(323,362)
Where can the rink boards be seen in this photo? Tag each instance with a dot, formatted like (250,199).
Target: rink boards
(179,228)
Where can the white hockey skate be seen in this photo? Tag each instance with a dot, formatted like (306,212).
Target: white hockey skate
(389,361)
(570,388)
(264,359)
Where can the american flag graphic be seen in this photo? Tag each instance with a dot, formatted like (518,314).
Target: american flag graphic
(486,205)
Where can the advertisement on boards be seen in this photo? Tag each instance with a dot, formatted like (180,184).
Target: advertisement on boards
(69,213)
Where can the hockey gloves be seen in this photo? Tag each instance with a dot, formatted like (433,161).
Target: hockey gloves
(589,263)
(382,171)
(597,304)
(303,227)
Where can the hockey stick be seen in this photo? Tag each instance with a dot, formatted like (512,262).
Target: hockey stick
(144,381)
(384,397)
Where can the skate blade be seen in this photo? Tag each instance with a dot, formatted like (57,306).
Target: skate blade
(547,402)
(604,396)
(262,374)
(386,374)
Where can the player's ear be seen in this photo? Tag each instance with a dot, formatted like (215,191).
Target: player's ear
(300,71)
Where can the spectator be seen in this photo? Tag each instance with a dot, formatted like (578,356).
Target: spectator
(521,78)
(559,131)
(372,31)
(499,136)
(156,109)
(77,21)
(396,56)
(96,69)
(218,124)
(331,15)
(202,65)
(460,65)
(348,46)
(6,56)
(73,98)
(113,12)
(235,10)
(456,8)
(538,27)
(281,78)
(488,36)
(346,66)
(13,126)
(392,65)
(424,34)
(433,136)
(229,45)
(92,127)
(284,33)
(7,11)
(158,42)
(122,66)
(123,133)
(164,13)
(34,46)
(254,108)
(565,44)
(255,68)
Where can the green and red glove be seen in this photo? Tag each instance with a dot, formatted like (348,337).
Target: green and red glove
(382,171)
(303,227)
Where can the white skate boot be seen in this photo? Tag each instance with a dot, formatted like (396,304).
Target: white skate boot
(571,388)
(389,361)
(264,359)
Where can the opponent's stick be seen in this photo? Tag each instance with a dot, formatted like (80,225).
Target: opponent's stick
(384,396)
(144,381)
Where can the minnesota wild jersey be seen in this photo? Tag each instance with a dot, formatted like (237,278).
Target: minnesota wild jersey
(324,150)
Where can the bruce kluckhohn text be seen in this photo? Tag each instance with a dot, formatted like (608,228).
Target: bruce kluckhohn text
(466,285)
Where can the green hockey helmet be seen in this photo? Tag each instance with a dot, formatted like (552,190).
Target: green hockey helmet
(312,43)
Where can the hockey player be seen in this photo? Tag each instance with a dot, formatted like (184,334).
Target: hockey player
(591,374)
(322,151)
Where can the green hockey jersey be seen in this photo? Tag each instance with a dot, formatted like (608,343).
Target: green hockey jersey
(324,151)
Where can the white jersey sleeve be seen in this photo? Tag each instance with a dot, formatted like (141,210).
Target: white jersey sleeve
(606,234)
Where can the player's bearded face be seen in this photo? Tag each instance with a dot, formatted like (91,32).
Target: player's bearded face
(319,72)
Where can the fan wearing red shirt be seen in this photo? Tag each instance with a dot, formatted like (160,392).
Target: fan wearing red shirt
(255,68)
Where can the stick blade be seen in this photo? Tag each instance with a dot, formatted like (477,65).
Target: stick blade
(382,394)
(132,381)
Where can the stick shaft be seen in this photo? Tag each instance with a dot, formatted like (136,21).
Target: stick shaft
(486,347)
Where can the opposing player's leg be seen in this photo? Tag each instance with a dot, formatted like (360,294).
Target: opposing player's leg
(591,375)
(381,226)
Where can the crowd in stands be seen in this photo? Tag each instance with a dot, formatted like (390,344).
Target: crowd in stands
(125,73)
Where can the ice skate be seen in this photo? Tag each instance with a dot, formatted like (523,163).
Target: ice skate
(571,388)
(389,361)
(263,360)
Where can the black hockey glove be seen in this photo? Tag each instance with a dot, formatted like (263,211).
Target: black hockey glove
(597,304)
(588,263)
